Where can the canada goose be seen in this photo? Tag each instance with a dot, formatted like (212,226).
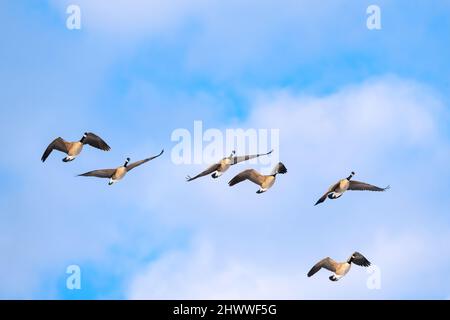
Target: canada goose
(73,149)
(117,174)
(338,189)
(339,269)
(223,165)
(264,181)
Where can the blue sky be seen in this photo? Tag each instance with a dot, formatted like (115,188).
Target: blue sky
(137,70)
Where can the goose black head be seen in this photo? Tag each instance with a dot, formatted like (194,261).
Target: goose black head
(126,162)
(351,176)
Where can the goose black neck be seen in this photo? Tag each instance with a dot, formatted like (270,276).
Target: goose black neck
(350,177)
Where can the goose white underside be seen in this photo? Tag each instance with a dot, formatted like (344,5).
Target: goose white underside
(112,181)
(335,277)
(335,195)
(217,174)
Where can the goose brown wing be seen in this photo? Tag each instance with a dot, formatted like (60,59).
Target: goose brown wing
(96,142)
(209,170)
(58,144)
(360,260)
(324,197)
(138,163)
(249,174)
(362,186)
(102,173)
(238,159)
(279,168)
(326,263)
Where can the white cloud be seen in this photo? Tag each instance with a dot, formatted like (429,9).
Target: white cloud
(204,271)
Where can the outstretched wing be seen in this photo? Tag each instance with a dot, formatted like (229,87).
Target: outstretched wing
(326,263)
(238,159)
(362,186)
(58,144)
(103,173)
(209,170)
(96,142)
(249,174)
(279,168)
(138,163)
(360,260)
(324,197)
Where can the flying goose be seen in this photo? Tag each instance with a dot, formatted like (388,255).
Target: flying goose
(73,149)
(117,174)
(223,165)
(265,182)
(338,189)
(339,269)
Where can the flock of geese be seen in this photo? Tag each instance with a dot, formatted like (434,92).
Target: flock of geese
(265,182)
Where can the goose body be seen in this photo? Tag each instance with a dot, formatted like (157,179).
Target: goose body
(265,182)
(339,269)
(343,185)
(218,169)
(221,167)
(73,149)
(337,190)
(118,173)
